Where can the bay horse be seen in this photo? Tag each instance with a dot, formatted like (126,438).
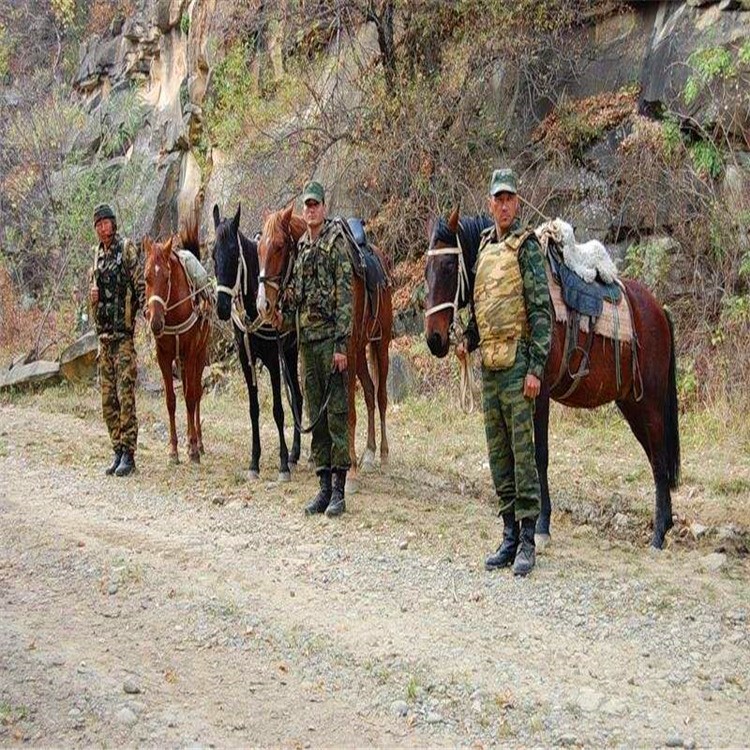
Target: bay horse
(237,268)
(181,330)
(277,251)
(646,397)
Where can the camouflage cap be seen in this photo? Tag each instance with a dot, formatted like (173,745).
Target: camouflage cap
(314,192)
(503,181)
(103,211)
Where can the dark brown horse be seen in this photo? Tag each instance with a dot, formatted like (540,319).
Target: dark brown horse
(182,333)
(277,250)
(646,393)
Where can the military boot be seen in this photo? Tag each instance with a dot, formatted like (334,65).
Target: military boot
(110,470)
(526,555)
(127,465)
(337,505)
(506,552)
(320,502)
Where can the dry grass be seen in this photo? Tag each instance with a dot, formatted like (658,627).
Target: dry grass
(437,491)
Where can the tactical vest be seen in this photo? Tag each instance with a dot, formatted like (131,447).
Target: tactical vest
(115,313)
(499,303)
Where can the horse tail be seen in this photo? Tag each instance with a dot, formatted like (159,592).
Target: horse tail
(189,231)
(671,414)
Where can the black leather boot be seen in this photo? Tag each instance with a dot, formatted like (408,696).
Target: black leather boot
(506,552)
(526,555)
(110,470)
(320,502)
(337,505)
(127,465)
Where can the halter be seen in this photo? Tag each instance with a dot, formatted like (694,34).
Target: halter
(462,283)
(279,281)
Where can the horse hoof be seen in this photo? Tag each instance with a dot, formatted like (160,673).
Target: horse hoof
(384,462)
(352,486)
(195,458)
(202,451)
(252,475)
(174,459)
(285,476)
(542,541)
(368,460)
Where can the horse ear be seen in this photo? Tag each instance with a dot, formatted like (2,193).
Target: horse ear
(167,247)
(453,219)
(217,215)
(429,227)
(148,246)
(236,219)
(286,217)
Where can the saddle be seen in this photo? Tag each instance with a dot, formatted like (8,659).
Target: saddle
(365,261)
(582,297)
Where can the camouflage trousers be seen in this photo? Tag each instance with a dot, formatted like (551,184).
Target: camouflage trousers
(117,374)
(509,426)
(330,437)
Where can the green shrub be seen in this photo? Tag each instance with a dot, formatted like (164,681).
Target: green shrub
(706,158)
(649,262)
(707,63)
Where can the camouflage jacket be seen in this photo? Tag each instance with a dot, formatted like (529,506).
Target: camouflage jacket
(535,294)
(319,296)
(118,276)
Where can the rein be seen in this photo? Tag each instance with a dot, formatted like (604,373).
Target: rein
(455,334)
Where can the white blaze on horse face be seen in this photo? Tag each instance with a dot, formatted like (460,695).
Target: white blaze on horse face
(261,302)
(157,268)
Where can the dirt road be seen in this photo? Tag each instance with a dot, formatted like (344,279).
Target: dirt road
(186,607)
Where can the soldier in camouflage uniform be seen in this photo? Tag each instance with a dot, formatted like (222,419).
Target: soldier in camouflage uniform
(318,302)
(511,322)
(117,292)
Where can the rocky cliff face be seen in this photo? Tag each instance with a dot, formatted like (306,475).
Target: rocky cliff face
(167,50)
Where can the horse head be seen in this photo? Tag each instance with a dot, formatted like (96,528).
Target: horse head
(158,277)
(228,266)
(276,251)
(442,279)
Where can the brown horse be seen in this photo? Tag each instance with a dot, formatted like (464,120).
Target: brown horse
(646,393)
(277,250)
(182,333)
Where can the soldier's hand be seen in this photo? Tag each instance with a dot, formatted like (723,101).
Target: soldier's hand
(461,352)
(278,319)
(340,362)
(94,295)
(531,386)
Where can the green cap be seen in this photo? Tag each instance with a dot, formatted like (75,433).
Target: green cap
(314,192)
(503,181)
(103,211)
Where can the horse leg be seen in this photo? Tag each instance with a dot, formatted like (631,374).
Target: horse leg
(541,447)
(352,480)
(291,356)
(368,388)
(165,365)
(278,415)
(191,386)
(380,357)
(645,418)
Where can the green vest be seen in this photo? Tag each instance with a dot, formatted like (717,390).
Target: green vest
(498,302)
(118,304)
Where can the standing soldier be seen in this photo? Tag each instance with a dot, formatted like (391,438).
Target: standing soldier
(117,292)
(319,303)
(511,322)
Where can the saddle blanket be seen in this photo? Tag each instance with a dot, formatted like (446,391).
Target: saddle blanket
(615,322)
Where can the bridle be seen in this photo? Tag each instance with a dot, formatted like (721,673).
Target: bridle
(185,325)
(279,281)
(462,286)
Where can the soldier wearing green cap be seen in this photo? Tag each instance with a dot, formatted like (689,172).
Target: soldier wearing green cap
(116,293)
(511,323)
(318,301)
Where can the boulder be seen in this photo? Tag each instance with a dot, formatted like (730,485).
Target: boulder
(36,373)
(78,361)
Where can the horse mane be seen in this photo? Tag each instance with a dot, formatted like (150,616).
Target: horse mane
(190,233)
(470,230)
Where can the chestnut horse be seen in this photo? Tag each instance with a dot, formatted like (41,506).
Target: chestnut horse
(277,251)
(181,332)
(236,267)
(646,396)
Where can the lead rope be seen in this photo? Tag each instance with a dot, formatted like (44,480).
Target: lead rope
(455,334)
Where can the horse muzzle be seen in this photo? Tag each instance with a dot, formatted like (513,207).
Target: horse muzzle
(437,344)
(223,306)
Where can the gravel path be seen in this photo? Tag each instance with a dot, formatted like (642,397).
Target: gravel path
(142,612)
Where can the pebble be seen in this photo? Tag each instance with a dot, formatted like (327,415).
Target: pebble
(588,700)
(112,588)
(567,740)
(698,530)
(403,544)
(433,718)
(674,740)
(399,708)
(131,687)
(126,716)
